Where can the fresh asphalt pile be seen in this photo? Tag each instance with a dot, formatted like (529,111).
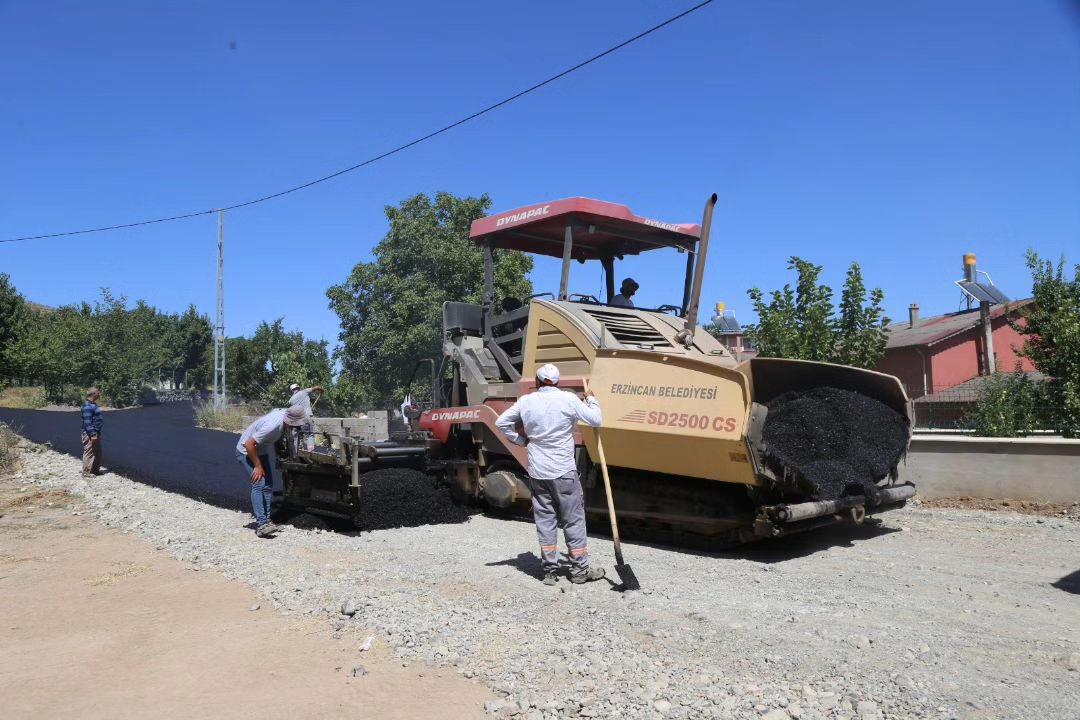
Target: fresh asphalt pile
(405,498)
(836,441)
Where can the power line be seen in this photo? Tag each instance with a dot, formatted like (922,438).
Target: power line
(386,154)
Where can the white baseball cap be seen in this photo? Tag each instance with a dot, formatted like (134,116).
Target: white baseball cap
(548,373)
(294,387)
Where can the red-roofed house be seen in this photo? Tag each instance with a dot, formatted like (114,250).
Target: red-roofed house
(936,353)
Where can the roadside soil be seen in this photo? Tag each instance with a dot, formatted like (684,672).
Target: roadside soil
(99,624)
(1069,511)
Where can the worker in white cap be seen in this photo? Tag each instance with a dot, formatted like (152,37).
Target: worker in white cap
(547,418)
(302,398)
(253,453)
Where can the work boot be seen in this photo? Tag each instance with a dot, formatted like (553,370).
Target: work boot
(263,532)
(550,579)
(271,527)
(593,573)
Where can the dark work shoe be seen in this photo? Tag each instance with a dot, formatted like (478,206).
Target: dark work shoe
(550,579)
(593,573)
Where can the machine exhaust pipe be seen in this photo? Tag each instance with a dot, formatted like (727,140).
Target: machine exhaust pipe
(686,335)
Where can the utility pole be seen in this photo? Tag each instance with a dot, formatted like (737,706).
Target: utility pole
(219,326)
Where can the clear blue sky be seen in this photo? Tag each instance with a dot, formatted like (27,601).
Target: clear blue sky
(898,134)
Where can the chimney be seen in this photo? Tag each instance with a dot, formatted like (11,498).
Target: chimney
(913,314)
(969,267)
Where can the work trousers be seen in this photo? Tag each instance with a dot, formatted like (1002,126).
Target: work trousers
(262,492)
(91,455)
(559,502)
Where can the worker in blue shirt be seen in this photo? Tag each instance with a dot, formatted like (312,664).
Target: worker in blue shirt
(91,434)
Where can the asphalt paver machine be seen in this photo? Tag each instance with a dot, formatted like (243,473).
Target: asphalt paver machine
(683,418)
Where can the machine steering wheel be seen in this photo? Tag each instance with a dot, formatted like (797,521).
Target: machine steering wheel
(673,309)
(583,298)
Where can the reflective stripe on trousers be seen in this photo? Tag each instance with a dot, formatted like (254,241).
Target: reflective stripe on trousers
(554,502)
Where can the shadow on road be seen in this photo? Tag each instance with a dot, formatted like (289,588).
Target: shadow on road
(1070,583)
(801,545)
(525,562)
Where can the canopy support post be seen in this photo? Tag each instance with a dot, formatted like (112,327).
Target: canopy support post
(567,249)
(688,284)
(609,277)
(489,286)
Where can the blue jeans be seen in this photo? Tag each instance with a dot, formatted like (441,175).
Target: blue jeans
(262,492)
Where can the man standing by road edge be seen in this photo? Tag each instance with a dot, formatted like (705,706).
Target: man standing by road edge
(253,453)
(547,417)
(91,434)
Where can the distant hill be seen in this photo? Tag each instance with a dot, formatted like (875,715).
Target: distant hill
(40,308)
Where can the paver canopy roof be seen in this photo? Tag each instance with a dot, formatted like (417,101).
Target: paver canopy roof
(601,229)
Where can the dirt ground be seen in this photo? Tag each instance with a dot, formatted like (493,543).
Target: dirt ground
(98,624)
(1070,511)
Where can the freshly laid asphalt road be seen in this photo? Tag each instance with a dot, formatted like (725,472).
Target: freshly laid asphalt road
(158,445)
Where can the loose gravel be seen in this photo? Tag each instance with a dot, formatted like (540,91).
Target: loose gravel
(932,614)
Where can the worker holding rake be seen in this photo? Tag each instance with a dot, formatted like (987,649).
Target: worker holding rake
(547,417)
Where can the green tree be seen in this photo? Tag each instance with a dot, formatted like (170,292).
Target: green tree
(14,315)
(1051,330)
(53,351)
(193,349)
(859,337)
(391,308)
(261,368)
(111,345)
(802,323)
(1008,406)
(126,349)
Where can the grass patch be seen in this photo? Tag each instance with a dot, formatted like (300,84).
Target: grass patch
(229,418)
(23,398)
(44,498)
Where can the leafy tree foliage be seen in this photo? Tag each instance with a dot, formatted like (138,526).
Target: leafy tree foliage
(1009,405)
(13,317)
(121,349)
(802,323)
(261,368)
(1051,330)
(391,308)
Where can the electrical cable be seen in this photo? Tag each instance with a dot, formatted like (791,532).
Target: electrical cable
(386,154)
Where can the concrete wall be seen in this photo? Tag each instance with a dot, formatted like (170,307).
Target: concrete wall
(1032,468)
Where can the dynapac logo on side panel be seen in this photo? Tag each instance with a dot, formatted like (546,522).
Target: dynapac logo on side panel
(534,212)
(456,415)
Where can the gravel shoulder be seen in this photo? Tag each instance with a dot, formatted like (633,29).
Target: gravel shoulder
(935,613)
